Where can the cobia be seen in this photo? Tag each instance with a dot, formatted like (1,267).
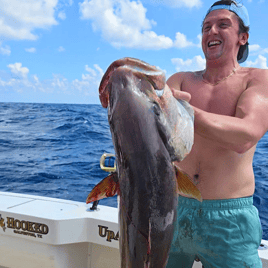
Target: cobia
(150,130)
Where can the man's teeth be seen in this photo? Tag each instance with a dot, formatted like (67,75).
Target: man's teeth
(213,43)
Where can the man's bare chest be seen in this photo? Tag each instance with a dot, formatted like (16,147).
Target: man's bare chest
(220,99)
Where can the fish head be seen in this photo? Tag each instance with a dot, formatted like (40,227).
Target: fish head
(131,82)
(140,69)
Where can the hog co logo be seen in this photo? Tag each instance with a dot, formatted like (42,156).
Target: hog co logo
(110,235)
(28,228)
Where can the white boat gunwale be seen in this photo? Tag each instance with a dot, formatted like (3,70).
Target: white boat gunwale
(74,237)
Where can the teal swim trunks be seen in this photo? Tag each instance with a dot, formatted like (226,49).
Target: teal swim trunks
(220,233)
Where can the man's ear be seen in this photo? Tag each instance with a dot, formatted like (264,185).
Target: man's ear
(243,38)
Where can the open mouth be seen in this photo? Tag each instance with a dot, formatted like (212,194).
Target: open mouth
(214,43)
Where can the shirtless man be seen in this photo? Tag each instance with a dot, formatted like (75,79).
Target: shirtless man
(231,108)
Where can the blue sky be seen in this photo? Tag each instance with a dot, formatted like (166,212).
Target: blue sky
(56,51)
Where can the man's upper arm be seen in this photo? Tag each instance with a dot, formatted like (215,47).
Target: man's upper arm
(252,105)
(174,81)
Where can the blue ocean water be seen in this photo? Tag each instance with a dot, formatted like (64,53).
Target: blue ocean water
(54,150)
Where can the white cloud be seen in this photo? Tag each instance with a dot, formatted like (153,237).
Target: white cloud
(182,3)
(123,23)
(64,3)
(18,80)
(181,41)
(5,50)
(61,49)
(19,18)
(195,64)
(254,47)
(17,85)
(62,15)
(31,49)
(36,79)
(61,6)
(176,3)
(98,68)
(60,82)
(260,62)
(265,51)
(18,70)
(256,50)
(90,81)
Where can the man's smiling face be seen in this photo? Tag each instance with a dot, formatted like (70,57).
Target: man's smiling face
(220,35)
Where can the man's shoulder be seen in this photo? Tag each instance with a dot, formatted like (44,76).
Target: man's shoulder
(177,78)
(256,80)
(255,74)
(185,74)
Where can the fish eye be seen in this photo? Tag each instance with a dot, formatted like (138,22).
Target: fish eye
(156,108)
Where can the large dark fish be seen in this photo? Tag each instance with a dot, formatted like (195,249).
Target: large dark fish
(150,130)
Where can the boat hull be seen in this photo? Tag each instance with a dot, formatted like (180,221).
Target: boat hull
(45,232)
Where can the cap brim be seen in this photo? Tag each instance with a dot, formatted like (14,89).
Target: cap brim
(245,56)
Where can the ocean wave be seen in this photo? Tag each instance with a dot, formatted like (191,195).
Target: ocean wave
(54,150)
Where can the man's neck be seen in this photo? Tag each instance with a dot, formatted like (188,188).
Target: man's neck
(216,71)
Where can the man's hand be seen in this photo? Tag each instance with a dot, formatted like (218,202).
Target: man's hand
(181,95)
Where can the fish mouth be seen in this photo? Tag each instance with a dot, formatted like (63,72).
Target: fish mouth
(140,68)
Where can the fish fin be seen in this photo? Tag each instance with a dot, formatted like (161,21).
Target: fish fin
(185,185)
(108,187)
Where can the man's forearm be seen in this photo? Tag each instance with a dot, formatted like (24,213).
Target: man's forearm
(230,132)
